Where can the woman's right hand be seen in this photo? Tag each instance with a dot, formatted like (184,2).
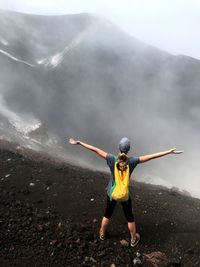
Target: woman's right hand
(72,141)
(174,151)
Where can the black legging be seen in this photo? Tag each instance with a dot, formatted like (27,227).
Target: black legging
(126,205)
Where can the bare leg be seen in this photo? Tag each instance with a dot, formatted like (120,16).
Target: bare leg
(132,229)
(135,237)
(104,224)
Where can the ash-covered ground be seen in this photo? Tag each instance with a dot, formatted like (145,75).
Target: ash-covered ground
(50,213)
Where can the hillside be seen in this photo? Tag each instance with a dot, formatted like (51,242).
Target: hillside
(50,214)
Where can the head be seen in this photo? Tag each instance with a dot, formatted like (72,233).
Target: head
(124,145)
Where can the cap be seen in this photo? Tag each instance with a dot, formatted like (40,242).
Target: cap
(124,145)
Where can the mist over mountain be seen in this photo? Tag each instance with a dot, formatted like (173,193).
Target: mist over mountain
(81,76)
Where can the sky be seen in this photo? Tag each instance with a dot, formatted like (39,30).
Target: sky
(171,25)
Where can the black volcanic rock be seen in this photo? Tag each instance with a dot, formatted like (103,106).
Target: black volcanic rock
(56,232)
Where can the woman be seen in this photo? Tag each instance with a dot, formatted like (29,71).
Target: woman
(118,166)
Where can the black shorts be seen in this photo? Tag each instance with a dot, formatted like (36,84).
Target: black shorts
(126,205)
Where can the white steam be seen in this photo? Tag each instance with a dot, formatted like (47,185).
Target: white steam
(4,42)
(56,59)
(22,123)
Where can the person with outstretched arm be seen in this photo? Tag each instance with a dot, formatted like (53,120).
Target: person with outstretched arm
(121,167)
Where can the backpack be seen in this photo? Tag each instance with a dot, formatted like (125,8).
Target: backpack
(119,190)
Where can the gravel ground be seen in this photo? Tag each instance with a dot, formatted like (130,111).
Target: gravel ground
(50,214)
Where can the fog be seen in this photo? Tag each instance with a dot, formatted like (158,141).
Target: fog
(167,24)
(83,77)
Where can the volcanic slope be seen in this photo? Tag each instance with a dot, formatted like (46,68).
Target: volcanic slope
(51,211)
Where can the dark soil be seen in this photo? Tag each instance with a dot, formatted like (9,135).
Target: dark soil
(50,214)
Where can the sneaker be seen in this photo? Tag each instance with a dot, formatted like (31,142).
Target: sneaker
(135,241)
(101,234)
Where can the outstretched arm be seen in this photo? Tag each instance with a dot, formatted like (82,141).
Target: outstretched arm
(159,154)
(100,152)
